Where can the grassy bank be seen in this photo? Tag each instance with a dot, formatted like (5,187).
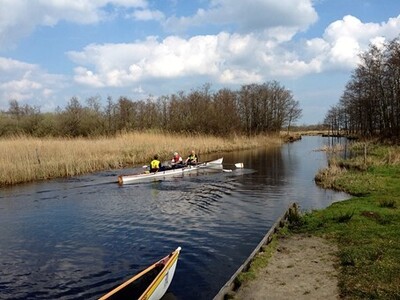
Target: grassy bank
(24,159)
(367,227)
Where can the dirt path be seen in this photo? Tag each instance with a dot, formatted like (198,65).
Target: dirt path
(301,268)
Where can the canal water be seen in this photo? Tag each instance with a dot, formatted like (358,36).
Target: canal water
(77,238)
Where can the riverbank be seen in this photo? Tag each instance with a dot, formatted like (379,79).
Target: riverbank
(25,159)
(358,237)
(301,267)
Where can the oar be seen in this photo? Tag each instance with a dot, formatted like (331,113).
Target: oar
(237,165)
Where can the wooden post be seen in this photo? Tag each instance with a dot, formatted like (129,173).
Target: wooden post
(365,153)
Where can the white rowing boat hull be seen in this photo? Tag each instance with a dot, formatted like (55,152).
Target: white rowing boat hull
(125,179)
(159,287)
(149,284)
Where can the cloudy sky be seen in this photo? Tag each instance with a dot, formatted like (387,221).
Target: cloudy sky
(52,50)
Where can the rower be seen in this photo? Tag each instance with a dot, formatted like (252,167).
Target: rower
(155,164)
(177,161)
(192,159)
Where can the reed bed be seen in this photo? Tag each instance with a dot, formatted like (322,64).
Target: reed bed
(25,159)
(326,177)
(365,156)
(331,149)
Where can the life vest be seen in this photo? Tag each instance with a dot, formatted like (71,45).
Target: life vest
(192,157)
(155,164)
(176,159)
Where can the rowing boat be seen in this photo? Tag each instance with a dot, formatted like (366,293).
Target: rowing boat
(149,284)
(214,164)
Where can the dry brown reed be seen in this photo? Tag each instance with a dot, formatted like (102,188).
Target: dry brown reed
(372,153)
(393,156)
(307,132)
(327,176)
(331,149)
(24,159)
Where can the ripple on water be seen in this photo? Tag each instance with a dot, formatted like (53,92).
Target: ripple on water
(78,238)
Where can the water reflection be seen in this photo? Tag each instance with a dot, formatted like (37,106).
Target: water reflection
(76,238)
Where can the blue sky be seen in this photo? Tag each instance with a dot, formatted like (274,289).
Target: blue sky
(52,50)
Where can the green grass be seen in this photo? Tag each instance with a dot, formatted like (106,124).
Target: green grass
(369,244)
(366,229)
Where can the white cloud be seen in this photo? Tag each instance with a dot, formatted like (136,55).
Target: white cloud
(251,15)
(26,83)
(226,58)
(18,18)
(238,76)
(86,77)
(348,37)
(351,27)
(148,15)
(8,65)
(220,57)
(20,90)
(344,51)
(252,41)
(122,64)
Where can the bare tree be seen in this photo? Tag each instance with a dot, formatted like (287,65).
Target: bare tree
(370,103)
(294,112)
(71,118)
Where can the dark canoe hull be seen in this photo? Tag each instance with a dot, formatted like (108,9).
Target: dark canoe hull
(151,283)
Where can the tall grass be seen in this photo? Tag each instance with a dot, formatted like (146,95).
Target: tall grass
(373,156)
(24,159)
(326,177)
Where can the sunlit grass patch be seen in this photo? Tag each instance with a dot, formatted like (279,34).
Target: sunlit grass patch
(367,228)
(368,243)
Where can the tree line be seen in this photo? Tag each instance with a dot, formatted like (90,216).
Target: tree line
(370,103)
(253,109)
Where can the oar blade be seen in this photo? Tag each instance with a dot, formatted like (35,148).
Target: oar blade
(239,165)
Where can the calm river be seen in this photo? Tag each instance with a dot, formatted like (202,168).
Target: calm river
(77,238)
